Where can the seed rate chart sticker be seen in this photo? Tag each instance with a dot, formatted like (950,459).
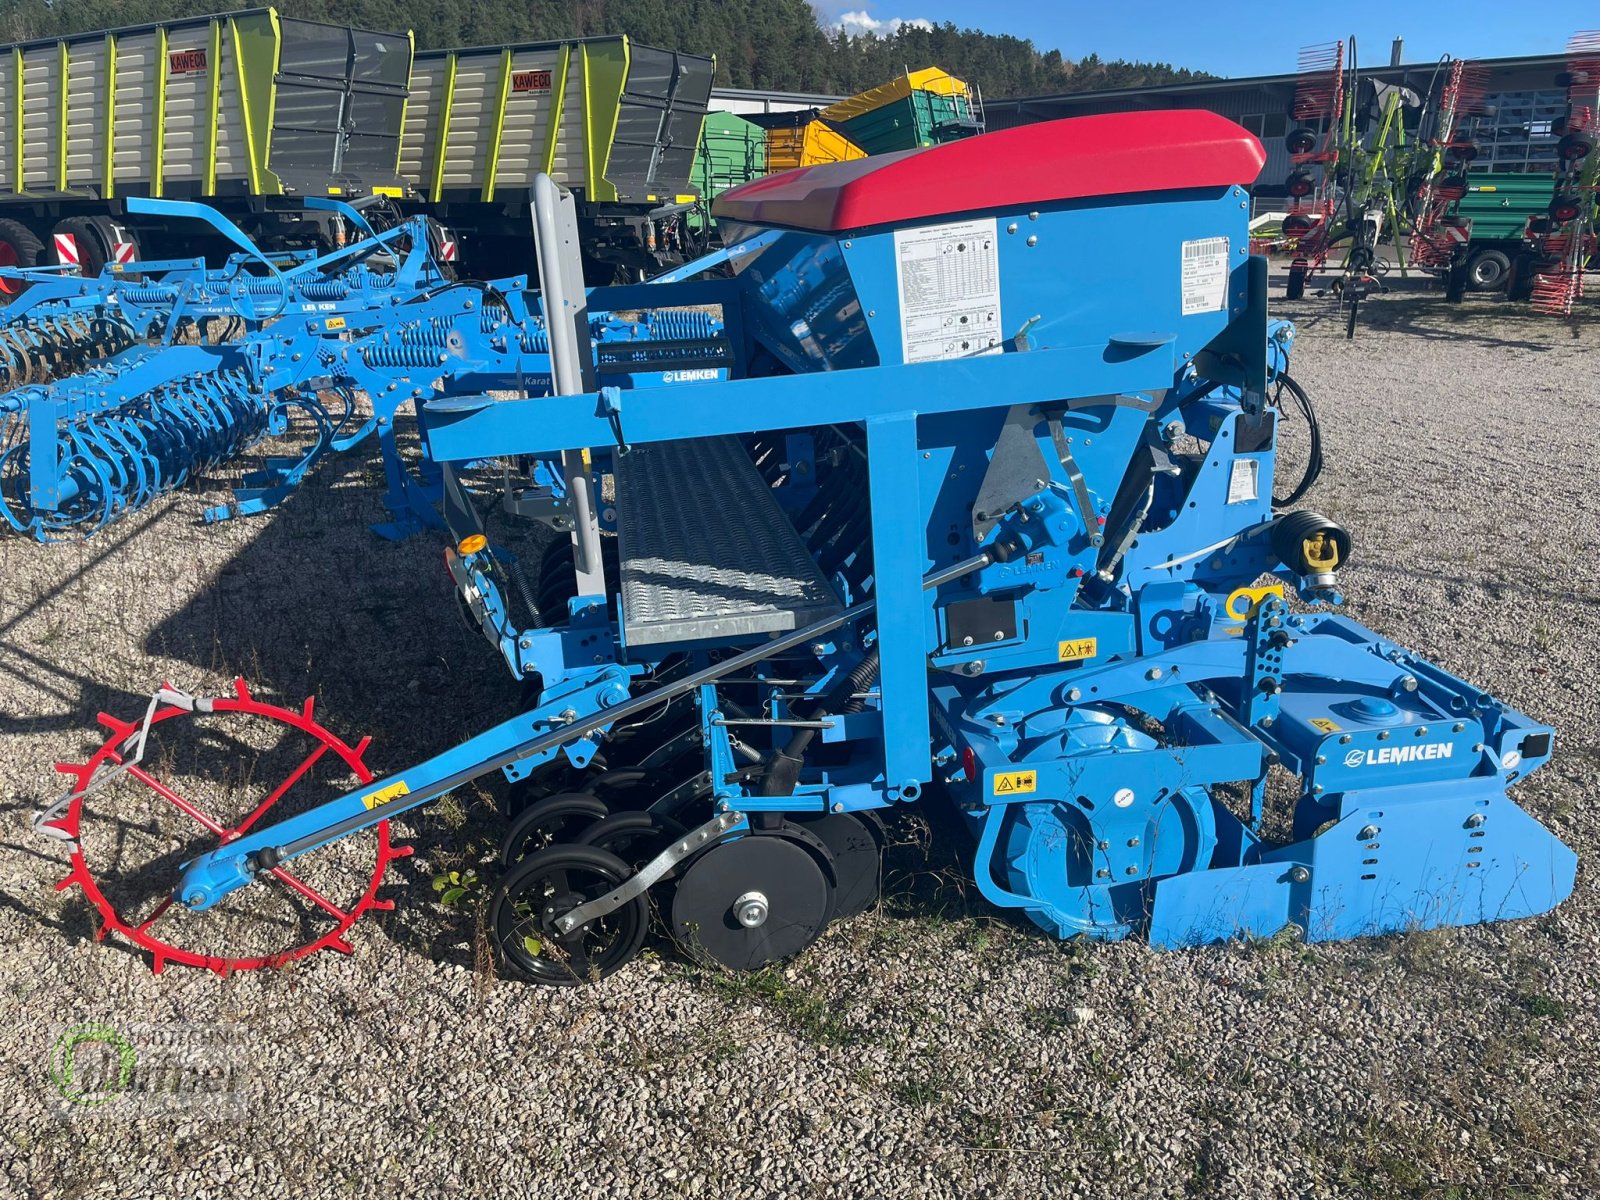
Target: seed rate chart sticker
(1205,275)
(949,284)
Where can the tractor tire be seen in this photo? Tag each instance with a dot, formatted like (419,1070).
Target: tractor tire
(19,247)
(1295,289)
(1488,270)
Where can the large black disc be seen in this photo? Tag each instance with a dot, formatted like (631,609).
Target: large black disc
(857,860)
(739,879)
(548,884)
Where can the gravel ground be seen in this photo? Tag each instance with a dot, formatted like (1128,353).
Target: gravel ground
(929,1048)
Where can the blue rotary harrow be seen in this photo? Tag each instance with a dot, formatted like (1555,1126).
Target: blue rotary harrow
(957,486)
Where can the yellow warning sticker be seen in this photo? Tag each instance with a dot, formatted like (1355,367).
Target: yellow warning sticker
(385,794)
(334,323)
(1015,783)
(1077,649)
(1325,725)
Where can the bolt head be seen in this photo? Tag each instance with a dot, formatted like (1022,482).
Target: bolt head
(1299,875)
(1475,820)
(1367,832)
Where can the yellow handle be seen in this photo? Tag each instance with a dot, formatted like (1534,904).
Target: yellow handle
(1252,598)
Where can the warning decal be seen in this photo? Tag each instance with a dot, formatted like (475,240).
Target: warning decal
(383,795)
(948,278)
(1205,275)
(1015,783)
(1077,649)
(1325,725)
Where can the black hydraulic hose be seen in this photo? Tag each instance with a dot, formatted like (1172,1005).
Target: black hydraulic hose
(1313,432)
(783,769)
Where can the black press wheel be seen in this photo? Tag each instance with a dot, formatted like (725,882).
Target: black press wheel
(547,885)
(856,842)
(634,837)
(549,822)
(750,902)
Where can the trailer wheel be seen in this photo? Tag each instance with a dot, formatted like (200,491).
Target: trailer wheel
(1296,287)
(96,238)
(1487,270)
(1455,282)
(1519,279)
(19,247)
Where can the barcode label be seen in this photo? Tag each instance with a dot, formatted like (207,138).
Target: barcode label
(1204,275)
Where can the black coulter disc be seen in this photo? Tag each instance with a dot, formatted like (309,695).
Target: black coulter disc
(769,871)
(857,860)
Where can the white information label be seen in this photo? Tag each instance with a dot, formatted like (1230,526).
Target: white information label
(1205,275)
(1243,482)
(948,278)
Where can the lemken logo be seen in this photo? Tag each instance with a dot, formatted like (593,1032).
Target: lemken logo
(1399,754)
(696,376)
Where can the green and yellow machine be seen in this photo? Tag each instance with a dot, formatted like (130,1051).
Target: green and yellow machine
(616,122)
(920,108)
(248,111)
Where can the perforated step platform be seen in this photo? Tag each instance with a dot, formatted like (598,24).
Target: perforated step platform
(706,552)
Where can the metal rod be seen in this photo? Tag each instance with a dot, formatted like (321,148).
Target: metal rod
(794,724)
(557,738)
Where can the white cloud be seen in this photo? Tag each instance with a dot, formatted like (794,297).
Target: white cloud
(859,21)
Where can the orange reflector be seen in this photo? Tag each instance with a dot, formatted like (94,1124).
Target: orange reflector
(471,544)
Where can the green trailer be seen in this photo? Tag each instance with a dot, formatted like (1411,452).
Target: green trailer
(733,151)
(616,122)
(921,108)
(1499,205)
(246,111)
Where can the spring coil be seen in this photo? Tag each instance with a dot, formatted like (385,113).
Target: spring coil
(681,325)
(147,295)
(324,289)
(420,344)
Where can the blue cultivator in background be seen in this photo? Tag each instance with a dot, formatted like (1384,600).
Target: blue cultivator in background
(975,507)
(110,407)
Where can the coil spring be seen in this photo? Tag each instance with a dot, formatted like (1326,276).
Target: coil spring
(324,289)
(681,325)
(116,461)
(420,344)
(149,294)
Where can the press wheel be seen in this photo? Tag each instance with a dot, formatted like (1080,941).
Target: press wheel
(543,887)
(554,820)
(750,902)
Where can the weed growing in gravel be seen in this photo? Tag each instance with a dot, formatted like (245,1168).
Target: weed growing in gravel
(802,1006)
(1541,1006)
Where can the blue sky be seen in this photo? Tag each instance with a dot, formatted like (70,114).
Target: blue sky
(1232,38)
